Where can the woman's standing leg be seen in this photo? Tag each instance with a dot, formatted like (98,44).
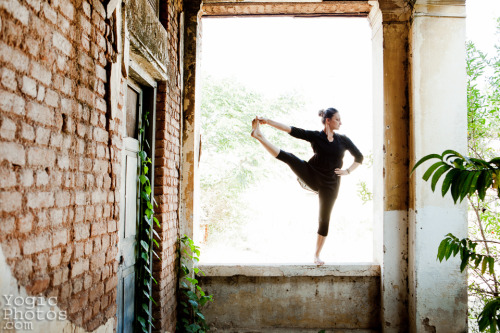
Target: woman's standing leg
(319,247)
(327,196)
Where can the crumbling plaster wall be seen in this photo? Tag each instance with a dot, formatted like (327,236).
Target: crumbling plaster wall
(437,291)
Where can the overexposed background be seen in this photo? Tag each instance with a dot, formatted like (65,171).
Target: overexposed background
(328,61)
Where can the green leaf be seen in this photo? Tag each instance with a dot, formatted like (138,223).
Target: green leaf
(449,251)
(473,183)
(429,171)
(495,161)
(146,309)
(193,303)
(485,184)
(479,162)
(154,231)
(487,317)
(487,180)
(447,154)
(156,243)
(191,280)
(484,265)
(491,262)
(466,185)
(141,320)
(143,179)
(442,249)
(456,249)
(477,261)
(423,159)
(145,245)
(465,260)
(448,180)
(438,174)
(455,187)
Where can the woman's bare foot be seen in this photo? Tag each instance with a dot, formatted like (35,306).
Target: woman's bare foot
(318,261)
(256,133)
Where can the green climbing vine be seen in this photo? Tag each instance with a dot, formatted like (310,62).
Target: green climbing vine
(146,236)
(192,297)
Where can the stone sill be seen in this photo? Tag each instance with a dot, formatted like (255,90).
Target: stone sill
(345,269)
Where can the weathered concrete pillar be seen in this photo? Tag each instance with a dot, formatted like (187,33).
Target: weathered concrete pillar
(437,291)
(190,147)
(389,20)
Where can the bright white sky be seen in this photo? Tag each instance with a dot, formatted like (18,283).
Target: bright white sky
(481,23)
(328,60)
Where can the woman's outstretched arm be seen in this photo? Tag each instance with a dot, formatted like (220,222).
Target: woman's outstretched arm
(274,124)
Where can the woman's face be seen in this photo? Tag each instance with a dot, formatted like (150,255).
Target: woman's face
(334,122)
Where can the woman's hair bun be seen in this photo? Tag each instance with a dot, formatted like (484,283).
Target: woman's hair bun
(321,113)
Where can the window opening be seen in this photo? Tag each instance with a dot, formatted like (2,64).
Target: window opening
(132,110)
(252,208)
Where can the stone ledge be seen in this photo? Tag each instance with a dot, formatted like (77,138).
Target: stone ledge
(346,269)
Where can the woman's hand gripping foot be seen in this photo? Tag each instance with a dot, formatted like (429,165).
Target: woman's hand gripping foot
(256,129)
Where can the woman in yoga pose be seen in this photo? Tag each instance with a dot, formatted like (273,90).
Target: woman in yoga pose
(322,172)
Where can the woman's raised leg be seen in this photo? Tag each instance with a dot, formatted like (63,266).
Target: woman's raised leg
(257,134)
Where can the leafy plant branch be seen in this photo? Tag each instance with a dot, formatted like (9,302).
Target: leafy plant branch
(146,235)
(193,298)
(462,175)
(451,245)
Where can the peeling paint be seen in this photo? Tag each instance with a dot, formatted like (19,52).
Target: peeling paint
(427,327)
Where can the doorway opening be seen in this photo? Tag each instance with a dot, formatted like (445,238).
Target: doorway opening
(253,210)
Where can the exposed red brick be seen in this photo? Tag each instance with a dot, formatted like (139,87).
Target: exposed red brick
(38,286)
(60,156)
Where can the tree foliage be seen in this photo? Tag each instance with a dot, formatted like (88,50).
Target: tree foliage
(231,161)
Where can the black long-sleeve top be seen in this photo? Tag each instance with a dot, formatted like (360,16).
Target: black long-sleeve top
(327,155)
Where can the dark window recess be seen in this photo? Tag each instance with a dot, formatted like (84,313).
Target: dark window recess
(132,107)
(163,15)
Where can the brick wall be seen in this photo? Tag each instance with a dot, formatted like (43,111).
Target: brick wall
(59,155)
(167,177)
